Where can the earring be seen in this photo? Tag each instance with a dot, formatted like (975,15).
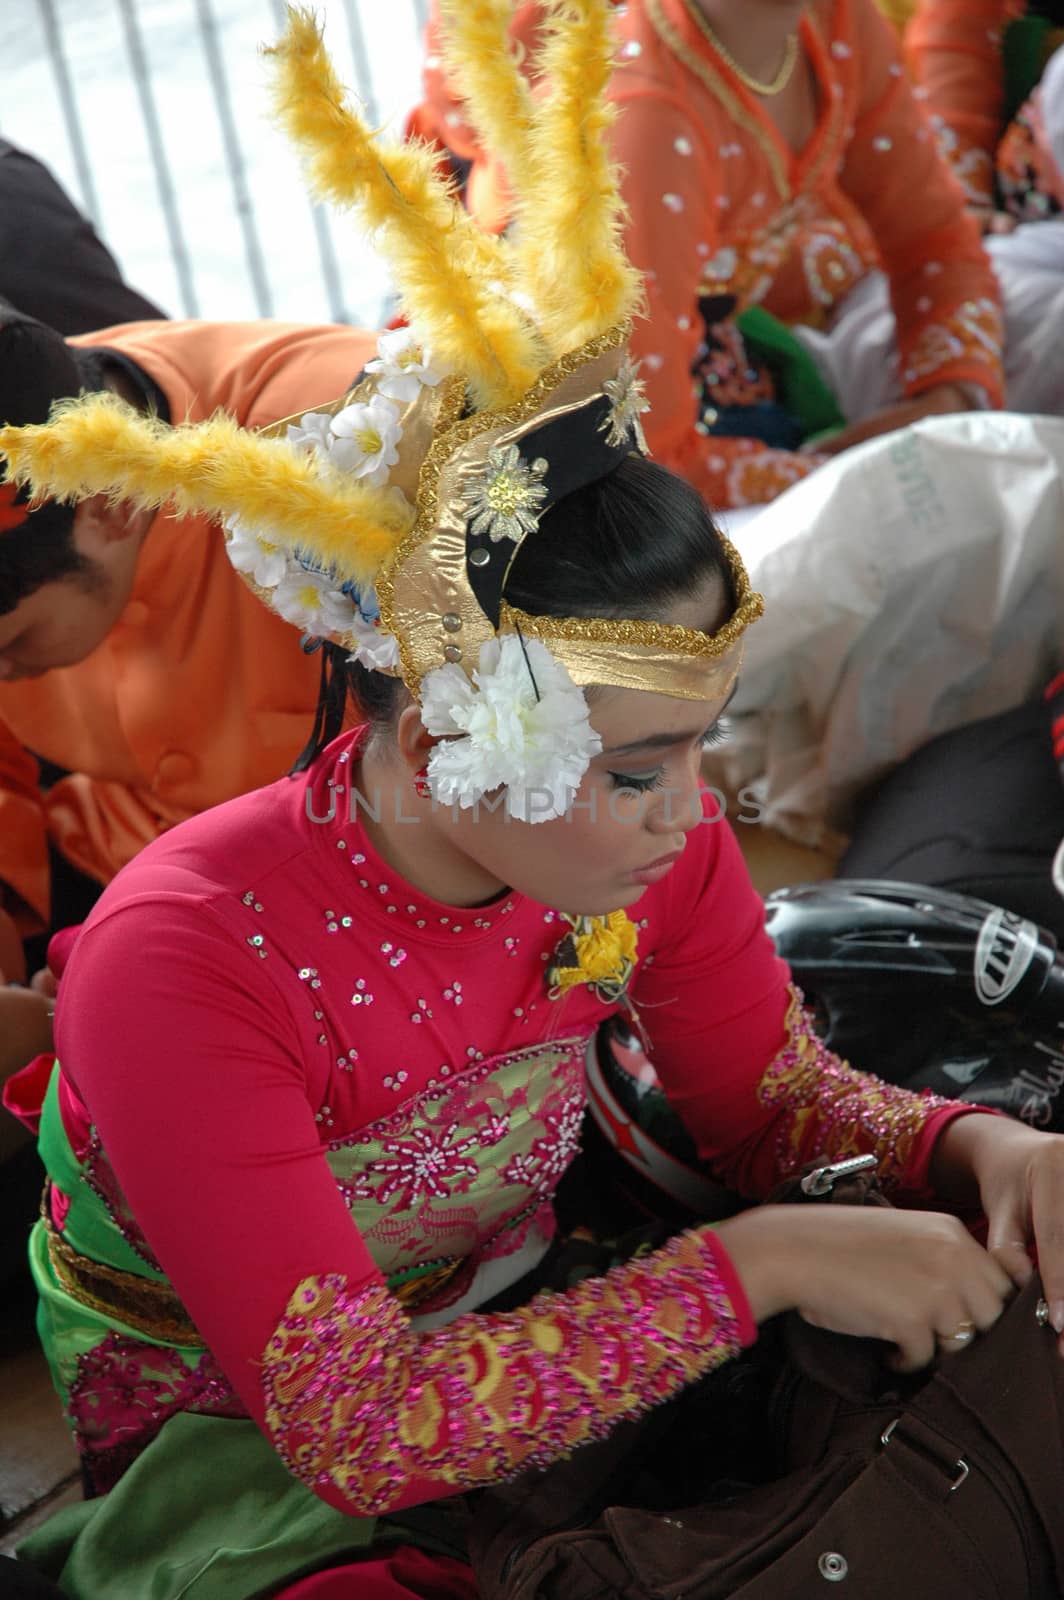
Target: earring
(421,784)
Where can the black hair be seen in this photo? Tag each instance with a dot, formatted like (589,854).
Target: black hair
(41,549)
(625,546)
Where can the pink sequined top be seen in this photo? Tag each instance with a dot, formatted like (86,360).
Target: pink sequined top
(303,1079)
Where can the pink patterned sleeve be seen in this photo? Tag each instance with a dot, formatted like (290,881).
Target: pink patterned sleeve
(738,1056)
(374,1416)
(818,1105)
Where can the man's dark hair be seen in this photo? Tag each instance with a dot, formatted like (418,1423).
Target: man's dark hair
(37,368)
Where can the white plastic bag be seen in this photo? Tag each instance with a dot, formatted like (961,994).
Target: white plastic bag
(912,585)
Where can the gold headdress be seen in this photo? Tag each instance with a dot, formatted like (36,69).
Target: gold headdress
(388,521)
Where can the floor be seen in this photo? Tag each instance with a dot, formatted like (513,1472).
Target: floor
(38,1465)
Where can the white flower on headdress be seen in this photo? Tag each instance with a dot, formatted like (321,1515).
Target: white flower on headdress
(374,648)
(526,726)
(251,551)
(508,496)
(312,433)
(313,602)
(628,402)
(405,363)
(364,439)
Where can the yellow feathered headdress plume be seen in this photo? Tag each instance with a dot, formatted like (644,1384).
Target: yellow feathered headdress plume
(99,445)
(388,521)
(447,270)
(566,241)
(495,312)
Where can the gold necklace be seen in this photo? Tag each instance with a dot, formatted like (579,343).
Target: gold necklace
(786,66)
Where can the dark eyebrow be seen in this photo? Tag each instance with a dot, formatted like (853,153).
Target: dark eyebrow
(662,741)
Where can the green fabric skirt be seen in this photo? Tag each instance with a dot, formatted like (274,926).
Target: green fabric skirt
(208,1512)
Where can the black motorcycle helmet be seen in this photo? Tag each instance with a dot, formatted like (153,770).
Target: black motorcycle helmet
(923,987)
(930,989)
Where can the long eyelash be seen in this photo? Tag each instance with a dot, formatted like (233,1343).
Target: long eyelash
(717,734)
(641,785)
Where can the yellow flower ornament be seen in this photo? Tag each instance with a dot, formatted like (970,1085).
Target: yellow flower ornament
(599,951)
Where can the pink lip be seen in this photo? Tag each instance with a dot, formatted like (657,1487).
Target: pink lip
(657,869)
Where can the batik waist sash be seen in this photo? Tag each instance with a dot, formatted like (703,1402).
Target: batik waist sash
(152,1308)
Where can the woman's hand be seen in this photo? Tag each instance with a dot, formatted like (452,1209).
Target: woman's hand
(937,401)
(916,1279)
(1016,1175)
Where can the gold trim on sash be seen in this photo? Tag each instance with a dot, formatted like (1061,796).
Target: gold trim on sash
(153,1309)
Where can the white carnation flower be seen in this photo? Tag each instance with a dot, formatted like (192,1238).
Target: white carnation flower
(364,439)
(405,365)
(252,551)
(312,434)
(538,748)
(312,601)
(374,648)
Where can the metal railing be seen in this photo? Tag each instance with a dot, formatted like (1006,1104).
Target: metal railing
(152,114)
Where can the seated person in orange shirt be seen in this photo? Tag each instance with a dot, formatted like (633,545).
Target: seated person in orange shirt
(775,157)
(135,666)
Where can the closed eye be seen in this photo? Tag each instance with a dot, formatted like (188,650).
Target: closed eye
(641,782)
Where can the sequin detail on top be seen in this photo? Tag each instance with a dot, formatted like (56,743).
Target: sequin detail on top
(356,1401)
(827,1108)
(103,1183)
(460,1163)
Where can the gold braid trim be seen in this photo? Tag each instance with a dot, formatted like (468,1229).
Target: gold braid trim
(151,1308)
(621,631)
(418,584)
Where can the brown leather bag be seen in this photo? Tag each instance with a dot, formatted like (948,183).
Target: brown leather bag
(945,1486)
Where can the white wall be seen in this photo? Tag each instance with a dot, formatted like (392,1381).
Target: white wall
(126,205)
